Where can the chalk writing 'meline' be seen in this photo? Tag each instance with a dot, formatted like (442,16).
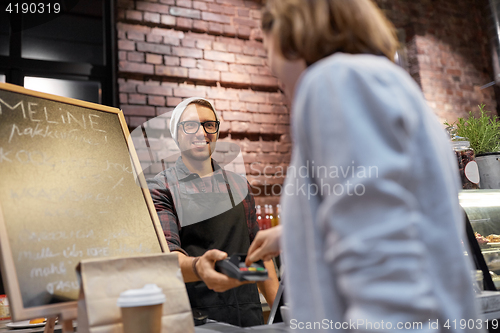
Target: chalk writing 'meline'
(34,113)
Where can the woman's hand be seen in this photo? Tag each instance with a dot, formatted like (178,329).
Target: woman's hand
(265,246)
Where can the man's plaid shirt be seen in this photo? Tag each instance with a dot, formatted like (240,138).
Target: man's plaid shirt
(164,191)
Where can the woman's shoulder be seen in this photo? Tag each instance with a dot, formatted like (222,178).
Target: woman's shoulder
(342,72)
(338,65)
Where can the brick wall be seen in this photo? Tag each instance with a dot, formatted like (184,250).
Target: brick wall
(172,49)
(448,50)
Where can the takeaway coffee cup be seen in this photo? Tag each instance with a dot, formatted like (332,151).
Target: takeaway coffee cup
(141,309)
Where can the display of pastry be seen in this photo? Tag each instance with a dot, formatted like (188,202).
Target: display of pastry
(480,239)
(493,238)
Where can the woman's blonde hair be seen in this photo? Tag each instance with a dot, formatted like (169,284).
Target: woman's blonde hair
(314,29)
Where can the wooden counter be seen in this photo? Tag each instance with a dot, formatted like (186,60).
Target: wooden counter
(210,327)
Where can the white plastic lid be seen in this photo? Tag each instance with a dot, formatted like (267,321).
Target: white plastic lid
(151,294)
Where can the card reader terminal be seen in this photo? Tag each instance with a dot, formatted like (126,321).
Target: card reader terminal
(234,267)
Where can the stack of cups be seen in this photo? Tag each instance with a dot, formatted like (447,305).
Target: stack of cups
(142,309)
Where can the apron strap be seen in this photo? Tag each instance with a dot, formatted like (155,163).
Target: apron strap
(228,187)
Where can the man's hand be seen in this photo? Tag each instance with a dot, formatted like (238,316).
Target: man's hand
(214,280)
(265,246)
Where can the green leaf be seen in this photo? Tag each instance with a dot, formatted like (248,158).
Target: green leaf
(483,132)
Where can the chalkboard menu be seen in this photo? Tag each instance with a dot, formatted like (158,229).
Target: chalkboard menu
(69,190)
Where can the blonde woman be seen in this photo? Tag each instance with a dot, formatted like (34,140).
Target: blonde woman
(371,232)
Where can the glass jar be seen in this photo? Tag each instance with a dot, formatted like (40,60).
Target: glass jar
(478,281)
(4,308)
(469,173)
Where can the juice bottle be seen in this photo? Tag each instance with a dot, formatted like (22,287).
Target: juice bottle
(267,221)
(272,216)
(258,212)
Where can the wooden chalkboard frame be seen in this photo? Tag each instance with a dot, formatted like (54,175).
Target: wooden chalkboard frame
(65,310)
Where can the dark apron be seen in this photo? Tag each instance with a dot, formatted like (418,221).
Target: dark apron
(227,232)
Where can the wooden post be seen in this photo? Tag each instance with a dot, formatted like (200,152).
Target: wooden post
(67,326)
(49,325)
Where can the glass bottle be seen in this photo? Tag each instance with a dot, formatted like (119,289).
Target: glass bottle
(267,221)
(258,212)
(272,218)
(278,214)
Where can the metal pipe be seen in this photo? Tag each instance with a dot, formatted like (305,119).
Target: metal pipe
(495,38)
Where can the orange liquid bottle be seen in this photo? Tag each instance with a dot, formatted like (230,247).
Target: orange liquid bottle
(272,217)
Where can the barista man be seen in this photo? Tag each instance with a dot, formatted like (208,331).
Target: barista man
(206,214)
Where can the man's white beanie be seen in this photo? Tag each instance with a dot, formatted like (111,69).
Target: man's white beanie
(179,110)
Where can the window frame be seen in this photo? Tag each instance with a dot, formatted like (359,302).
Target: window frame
(15,68)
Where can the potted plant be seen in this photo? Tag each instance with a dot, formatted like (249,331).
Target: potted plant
(483,133)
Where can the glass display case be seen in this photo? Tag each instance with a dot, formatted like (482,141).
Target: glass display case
(483,211)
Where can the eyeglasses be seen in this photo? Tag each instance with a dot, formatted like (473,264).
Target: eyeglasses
(192,127)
